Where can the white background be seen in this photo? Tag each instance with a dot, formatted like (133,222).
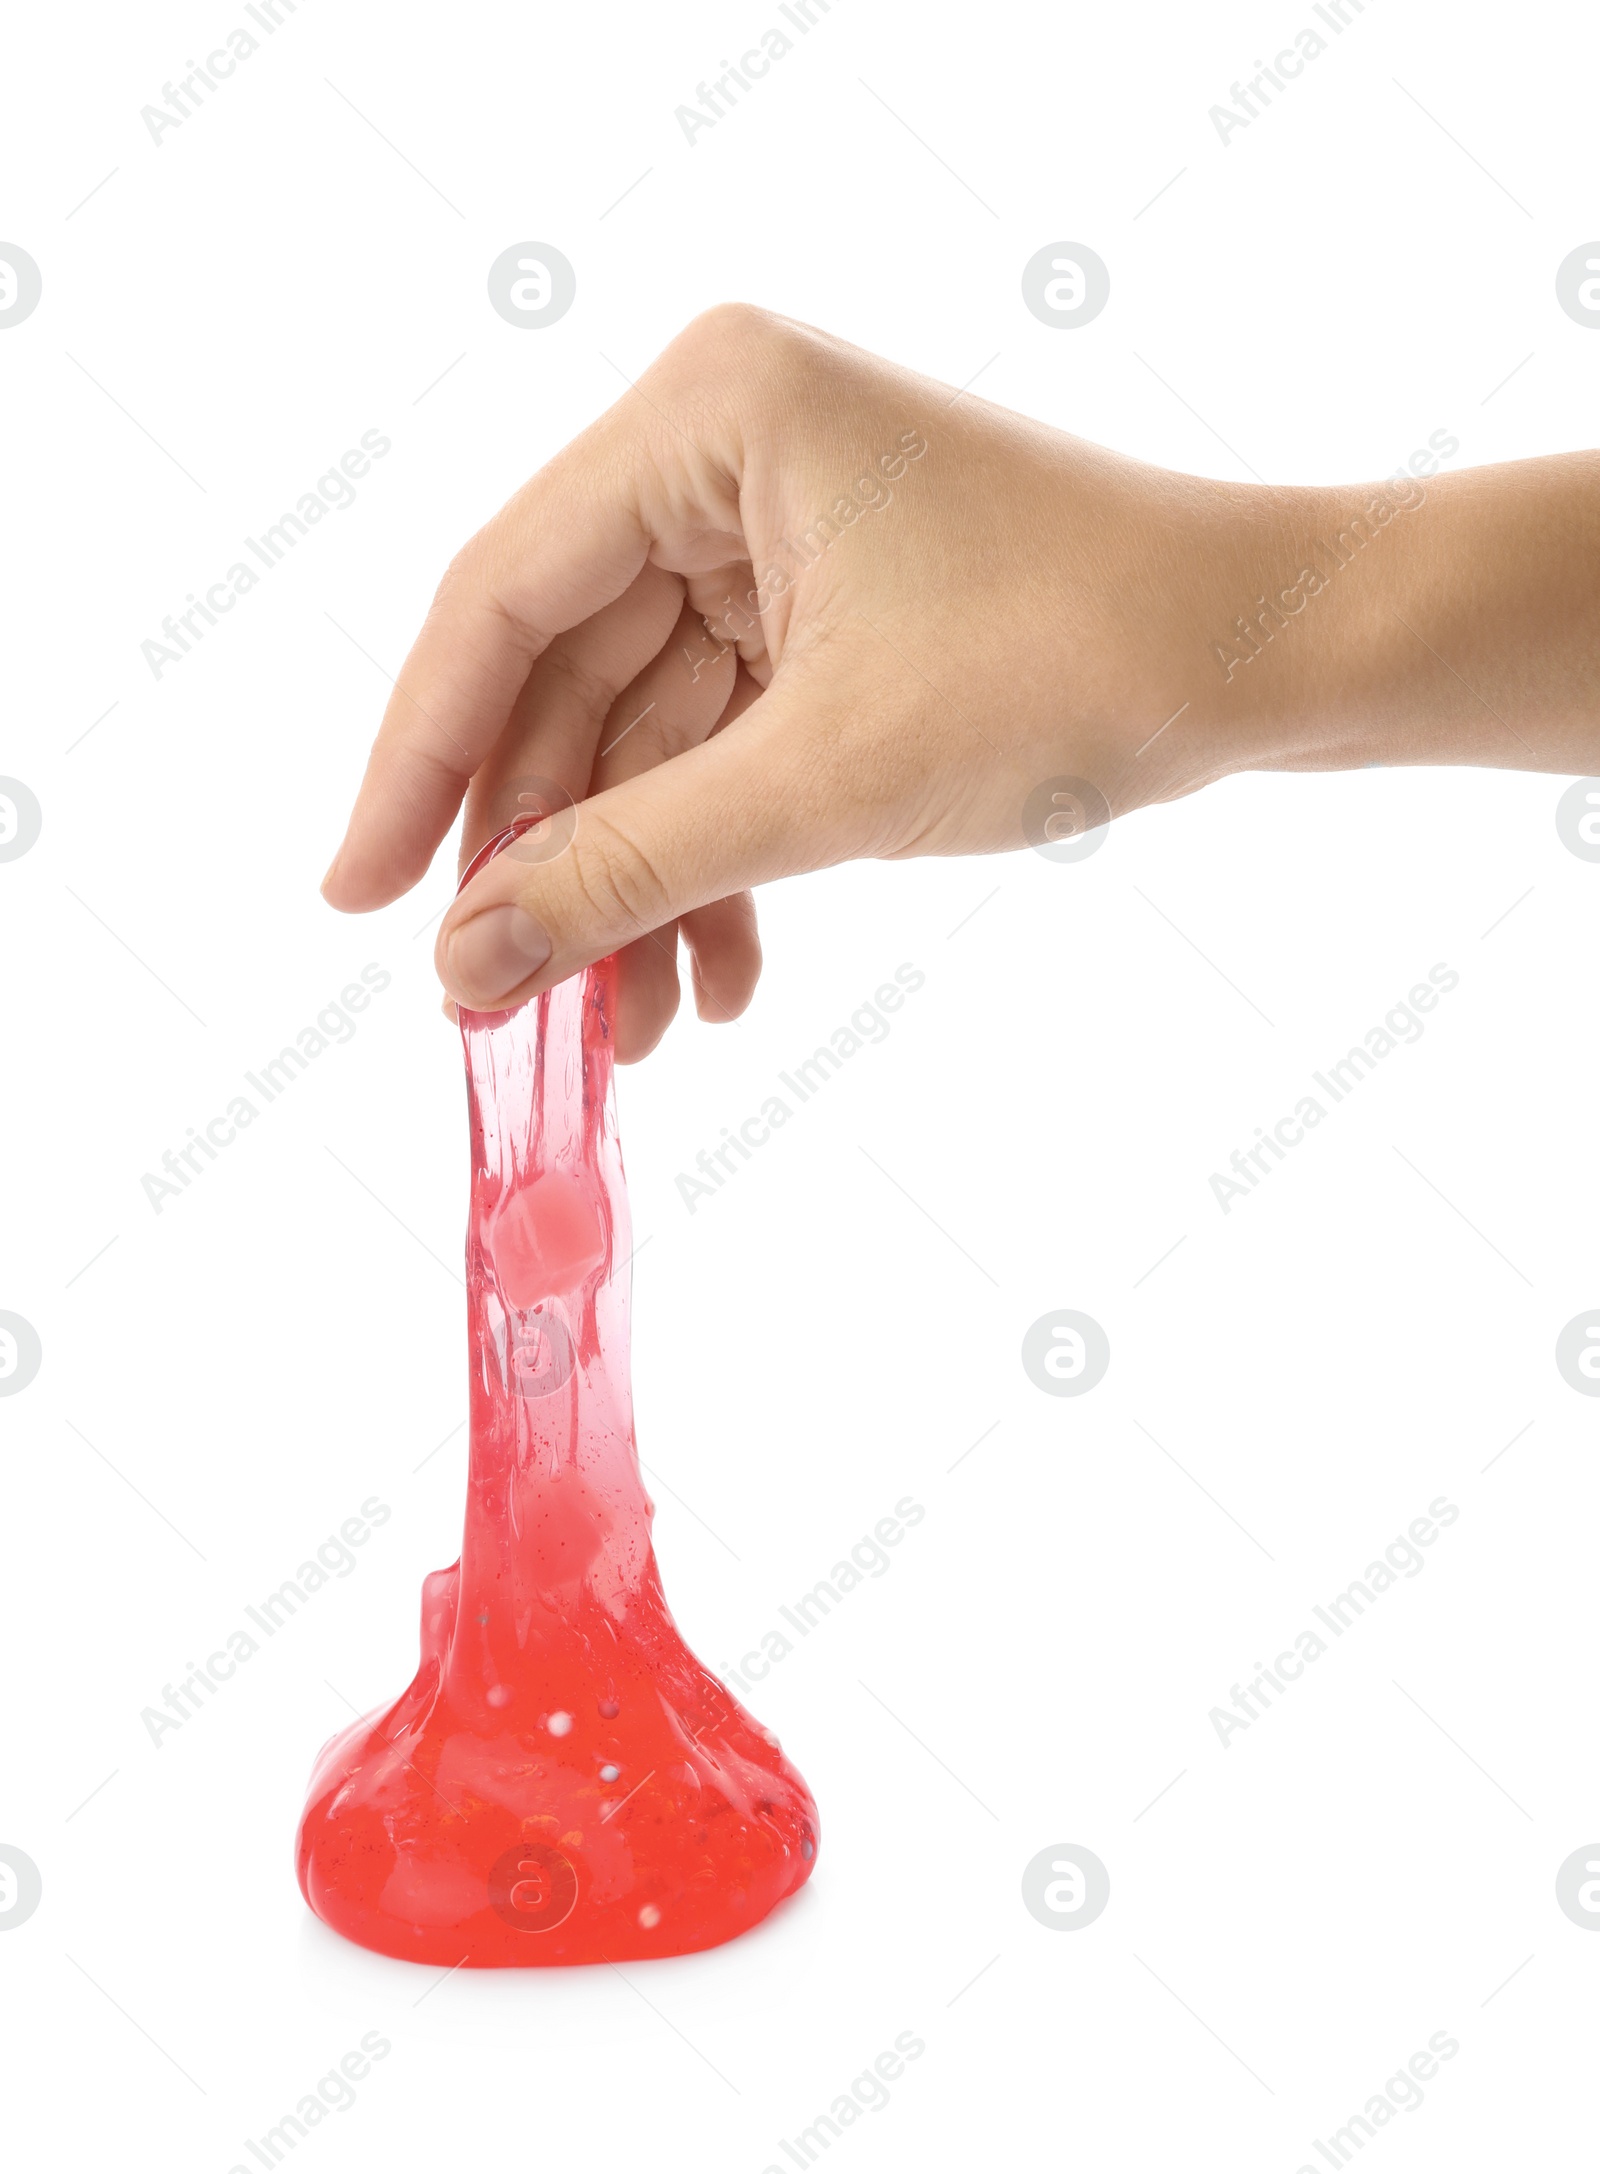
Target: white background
(1296,1914)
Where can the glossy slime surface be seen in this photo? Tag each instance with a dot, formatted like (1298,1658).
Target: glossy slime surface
(563,1781)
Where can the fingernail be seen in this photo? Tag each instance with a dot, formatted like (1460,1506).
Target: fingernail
(333,870)
(489,955)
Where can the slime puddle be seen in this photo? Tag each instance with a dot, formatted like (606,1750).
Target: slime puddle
(563,1781)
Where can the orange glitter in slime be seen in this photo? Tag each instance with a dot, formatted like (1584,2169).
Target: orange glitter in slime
(563,1782)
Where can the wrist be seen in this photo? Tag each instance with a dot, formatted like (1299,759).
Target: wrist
(1296,647)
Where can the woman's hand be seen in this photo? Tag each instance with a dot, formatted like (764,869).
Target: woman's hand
(786,605)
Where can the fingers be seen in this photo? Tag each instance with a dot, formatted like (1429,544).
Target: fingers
(725,962)
(563,710)
(672,704)
(658,478)
(724,956)
(647,993)
(746,690)
(576,725)
(749,804)
(570,542)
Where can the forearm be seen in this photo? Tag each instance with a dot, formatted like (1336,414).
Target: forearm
(1455,620)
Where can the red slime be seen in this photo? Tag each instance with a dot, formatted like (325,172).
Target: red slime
(563,1782)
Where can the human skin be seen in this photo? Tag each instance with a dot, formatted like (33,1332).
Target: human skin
(660,623)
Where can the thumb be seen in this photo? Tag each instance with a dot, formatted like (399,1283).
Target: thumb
(751,803)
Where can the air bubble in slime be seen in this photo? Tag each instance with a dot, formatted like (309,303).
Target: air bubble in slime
(563,1782)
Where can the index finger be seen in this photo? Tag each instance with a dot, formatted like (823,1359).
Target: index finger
(568,543)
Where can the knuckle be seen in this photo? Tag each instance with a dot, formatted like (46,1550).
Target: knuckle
(621,885)
(725,324)
(472,585)
(580,681)
(735,347)
(457,578)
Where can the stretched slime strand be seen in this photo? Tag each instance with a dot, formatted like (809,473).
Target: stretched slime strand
(563,1781)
